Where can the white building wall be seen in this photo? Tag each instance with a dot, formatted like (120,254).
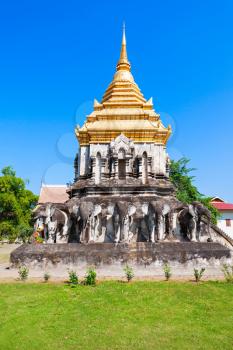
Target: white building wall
(158,154)
(83,160)
(140,148)
(154,151)
(222,222)
(102,148)
(159,159)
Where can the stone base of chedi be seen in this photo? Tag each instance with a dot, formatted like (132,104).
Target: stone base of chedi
(147,259)
(124,211)
(143,229)
(122,206)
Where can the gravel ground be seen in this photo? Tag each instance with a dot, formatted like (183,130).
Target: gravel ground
(11,274)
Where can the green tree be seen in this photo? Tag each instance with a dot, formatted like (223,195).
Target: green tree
(16,204)
(187,192)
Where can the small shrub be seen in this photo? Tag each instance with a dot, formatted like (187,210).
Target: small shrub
(8,232)
(23,273)
(90,278)
(228,273)
(167,271)
(46,276)
(24,233)
(39,240)
(129,272)
(198,274)
(73,278)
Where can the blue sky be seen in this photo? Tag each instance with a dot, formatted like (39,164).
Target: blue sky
(57,56)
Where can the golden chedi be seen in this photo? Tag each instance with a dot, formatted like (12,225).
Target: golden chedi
(122,201)
(123,109)
(123,138)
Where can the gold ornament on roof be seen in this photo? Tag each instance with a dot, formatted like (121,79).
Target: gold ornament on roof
(123,109)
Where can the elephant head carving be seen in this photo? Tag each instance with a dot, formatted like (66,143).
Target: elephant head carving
(190,220)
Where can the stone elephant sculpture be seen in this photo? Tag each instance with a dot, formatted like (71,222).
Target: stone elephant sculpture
(132,223)
(115,224)
(203,212)
(75,218)
(56,222)
(96,224)
(80,213)
(190,220)
(163,220)
(187,219)
(120,222)
(137,225)
(147,221)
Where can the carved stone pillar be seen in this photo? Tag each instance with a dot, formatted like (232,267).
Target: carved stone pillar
(93,170)
(98,169)
(130,167)
(127,165)
(150,173)
(83,161)
(104,173)
(111,168)
(144,169)
(116,168)
(140,168)
(90,170)
(107,168)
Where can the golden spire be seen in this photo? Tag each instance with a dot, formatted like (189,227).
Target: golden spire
(123,109)
(123,63)
(123,92)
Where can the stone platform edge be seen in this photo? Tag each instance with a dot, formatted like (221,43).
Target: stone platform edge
(97,254)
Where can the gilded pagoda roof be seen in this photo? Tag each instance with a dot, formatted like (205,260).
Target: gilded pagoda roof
(123,109)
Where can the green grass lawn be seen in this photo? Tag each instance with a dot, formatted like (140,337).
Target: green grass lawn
(115,315)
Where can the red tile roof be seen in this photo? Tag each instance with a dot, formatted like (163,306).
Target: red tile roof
(222,206)
(217,199)
(53,194)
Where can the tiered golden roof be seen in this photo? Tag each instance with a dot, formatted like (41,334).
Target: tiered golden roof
(123,109)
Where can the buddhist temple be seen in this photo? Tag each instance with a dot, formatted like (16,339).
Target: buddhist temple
(123,139)
(122,205)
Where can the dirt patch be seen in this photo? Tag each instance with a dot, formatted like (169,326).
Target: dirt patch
(5,250)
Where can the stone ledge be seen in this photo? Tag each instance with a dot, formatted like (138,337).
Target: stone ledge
(110,254)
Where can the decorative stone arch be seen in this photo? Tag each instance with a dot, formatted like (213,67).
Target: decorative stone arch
(103,149)
(122,142)
(121,153)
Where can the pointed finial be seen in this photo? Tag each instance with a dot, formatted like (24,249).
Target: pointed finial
(123,63)
(123,36)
